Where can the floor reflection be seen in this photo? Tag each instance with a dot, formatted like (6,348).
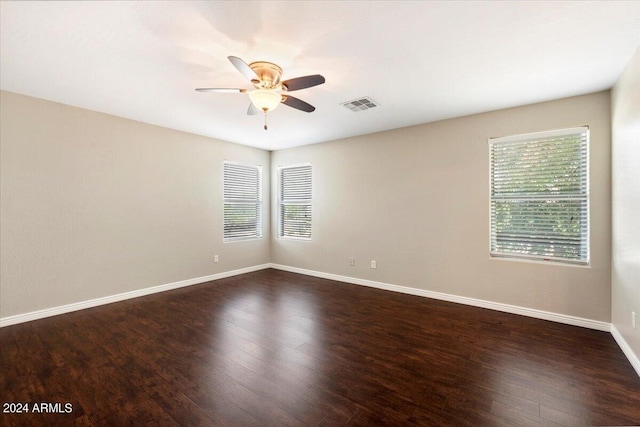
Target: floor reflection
(260,333)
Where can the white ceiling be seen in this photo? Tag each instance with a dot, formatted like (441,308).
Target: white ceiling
(421,61)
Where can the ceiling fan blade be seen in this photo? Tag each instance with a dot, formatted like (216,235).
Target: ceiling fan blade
(253,110)
(303,82)
(298,104)
(243,67)
(220,89)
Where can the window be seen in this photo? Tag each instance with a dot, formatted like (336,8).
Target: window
(540,196)
(242,201)
(295,202)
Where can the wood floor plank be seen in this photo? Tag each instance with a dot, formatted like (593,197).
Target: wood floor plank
(283,349)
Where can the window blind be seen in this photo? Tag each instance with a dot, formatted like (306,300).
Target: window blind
(540,195)
(242,201)
(295,202)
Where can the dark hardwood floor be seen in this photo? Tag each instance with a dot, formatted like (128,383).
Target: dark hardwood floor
(280,349)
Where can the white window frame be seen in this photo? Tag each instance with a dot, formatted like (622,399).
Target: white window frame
(242,201)
(304,202)
(583,196)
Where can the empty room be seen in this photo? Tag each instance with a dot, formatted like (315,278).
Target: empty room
(439,226)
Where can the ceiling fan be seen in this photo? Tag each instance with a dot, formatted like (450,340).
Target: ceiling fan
(269,90)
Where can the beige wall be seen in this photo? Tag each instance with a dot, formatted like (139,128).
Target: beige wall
(625,110)
(94,205)
(416,201)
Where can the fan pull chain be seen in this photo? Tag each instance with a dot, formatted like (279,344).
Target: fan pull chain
(265,119)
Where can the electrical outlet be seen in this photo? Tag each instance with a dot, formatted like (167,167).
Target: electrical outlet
(215,258)
(374,264)
(352,261)
(633,319)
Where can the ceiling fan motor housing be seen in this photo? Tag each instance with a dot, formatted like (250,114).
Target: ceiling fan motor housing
(270,75)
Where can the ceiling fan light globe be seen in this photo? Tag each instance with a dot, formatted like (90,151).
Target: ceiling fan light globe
(265,99)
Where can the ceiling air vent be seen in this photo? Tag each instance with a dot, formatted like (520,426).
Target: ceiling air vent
(360,104)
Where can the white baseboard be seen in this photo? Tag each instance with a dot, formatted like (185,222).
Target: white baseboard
(539,314)
(54,311)
(626,349)
(523,311)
